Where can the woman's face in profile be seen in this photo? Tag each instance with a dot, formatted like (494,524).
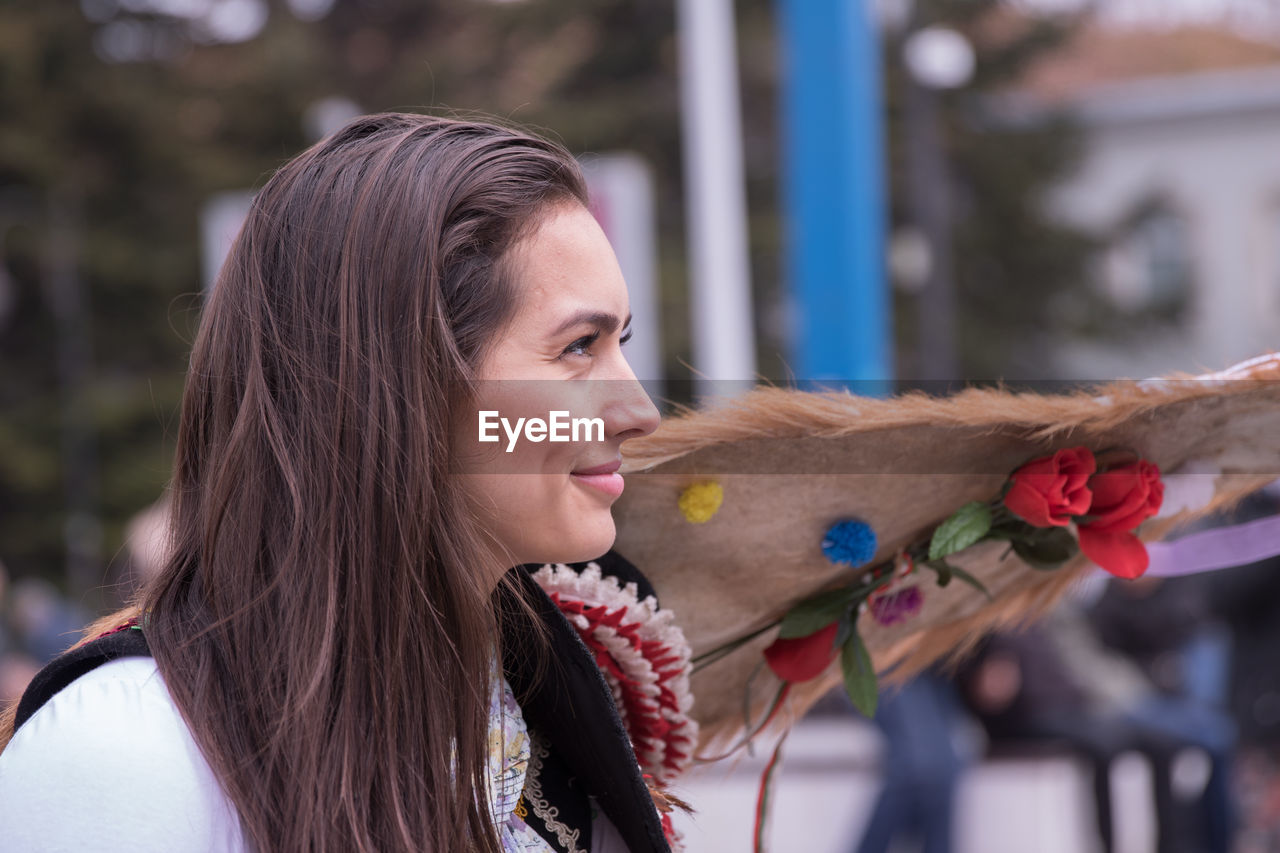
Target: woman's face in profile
(556,400)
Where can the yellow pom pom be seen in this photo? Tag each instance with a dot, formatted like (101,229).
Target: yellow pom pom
(700,501)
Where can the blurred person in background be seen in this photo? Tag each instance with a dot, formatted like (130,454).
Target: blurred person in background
(1054,687)
(16,672)
(924,759)
(1246,602)
(16,668)
(1167,628)
(146,544)
(44,623)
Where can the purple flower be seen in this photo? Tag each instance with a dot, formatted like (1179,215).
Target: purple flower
(898,606)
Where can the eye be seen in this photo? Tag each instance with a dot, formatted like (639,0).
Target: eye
(626,336)
(582,346)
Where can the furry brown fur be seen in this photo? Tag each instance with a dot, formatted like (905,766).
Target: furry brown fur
(792,463)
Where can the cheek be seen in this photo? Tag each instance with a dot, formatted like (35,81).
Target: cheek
(546,518)
(526,498)
(562,521)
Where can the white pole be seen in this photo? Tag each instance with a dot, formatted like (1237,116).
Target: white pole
(715,198)
(621,186)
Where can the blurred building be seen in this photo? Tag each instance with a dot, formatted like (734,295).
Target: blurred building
(1179,181)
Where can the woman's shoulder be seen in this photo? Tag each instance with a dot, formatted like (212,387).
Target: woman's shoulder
(108,763)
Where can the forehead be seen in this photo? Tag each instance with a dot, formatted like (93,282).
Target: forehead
(566,265)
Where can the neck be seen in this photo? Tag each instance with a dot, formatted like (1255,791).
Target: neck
(496,561)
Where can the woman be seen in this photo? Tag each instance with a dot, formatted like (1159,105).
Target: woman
(325,642)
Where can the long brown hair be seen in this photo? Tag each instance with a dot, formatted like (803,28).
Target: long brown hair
(321,623)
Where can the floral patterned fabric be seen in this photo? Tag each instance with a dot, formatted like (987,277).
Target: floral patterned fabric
(508,765)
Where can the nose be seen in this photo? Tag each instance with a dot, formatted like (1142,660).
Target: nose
(639,416)
(630,412)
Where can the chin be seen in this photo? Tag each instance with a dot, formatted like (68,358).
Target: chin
(586,540)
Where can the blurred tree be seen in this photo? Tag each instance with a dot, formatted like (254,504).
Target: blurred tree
(93,205)
(129,117)
(1012,262)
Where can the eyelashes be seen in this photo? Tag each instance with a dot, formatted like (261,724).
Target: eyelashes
(582,346)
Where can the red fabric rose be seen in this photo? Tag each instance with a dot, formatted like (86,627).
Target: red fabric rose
(1047,491)
(1123,498)
(803,658)
(1122,554)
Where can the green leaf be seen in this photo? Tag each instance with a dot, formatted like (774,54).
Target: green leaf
(859,675)
(971,581)
(814,614)
(966,526)
(1047,549)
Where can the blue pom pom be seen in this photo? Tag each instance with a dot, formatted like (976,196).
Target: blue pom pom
(851,543)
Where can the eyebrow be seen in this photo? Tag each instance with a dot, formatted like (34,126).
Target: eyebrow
(601,319)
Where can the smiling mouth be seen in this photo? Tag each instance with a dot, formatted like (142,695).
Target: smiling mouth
(604,478)
(609,467)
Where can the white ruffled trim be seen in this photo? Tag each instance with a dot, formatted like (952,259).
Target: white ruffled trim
(655,626)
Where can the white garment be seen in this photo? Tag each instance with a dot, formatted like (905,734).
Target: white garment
(108,764)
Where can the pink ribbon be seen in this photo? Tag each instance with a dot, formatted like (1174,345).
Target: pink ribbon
(1219,548)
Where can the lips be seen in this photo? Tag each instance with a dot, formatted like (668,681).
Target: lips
(606,468)
(604,478)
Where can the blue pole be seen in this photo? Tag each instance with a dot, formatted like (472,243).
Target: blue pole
(834,193)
